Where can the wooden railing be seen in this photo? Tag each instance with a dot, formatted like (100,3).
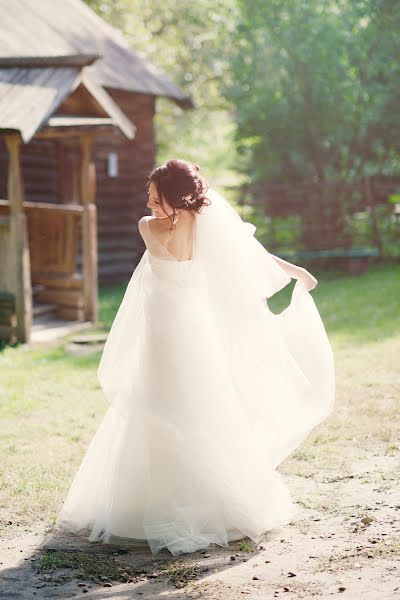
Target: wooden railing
(5,281)
(12,228)
(7,298)
(53,232)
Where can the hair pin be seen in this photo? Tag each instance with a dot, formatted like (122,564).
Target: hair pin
(188,199)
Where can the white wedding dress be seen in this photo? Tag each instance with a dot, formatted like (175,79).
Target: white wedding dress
(209,391)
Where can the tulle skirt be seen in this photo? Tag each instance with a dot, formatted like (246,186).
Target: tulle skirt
(187,457)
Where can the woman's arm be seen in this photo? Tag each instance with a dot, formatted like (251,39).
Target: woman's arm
(296,272)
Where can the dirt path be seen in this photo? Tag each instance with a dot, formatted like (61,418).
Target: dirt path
(344,541)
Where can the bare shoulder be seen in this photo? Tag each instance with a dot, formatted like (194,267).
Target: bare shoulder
(156,226)
(143,225)
(148,223)
(145,218)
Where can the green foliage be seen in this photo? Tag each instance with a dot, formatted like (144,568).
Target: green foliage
(284,91)
(361,230)
(191,42)
(316,88)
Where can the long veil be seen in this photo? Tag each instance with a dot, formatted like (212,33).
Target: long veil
(281,365)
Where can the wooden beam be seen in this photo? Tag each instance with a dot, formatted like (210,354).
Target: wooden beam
(15,187)
(42,62)
(59,208)
(89,230)
(61,297)
(20,269)
(76,132)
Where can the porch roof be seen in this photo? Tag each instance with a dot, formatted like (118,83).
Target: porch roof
(61,27)
(31,90)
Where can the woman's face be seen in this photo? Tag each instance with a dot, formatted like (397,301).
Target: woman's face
(155,205)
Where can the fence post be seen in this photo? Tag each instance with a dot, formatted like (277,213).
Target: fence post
(376,236)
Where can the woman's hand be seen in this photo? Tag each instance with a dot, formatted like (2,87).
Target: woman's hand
(296,272)
(309,280)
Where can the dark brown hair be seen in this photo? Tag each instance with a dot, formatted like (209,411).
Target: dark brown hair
(181,185)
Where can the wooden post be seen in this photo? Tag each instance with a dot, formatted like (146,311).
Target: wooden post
(89,230)
(20,269)
(376,236)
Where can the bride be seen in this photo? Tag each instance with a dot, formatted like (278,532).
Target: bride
(209,390)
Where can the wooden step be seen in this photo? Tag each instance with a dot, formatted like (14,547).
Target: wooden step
(71,313)
(62,297)
(43,309)
(42,281)
(36,288)
(93,338)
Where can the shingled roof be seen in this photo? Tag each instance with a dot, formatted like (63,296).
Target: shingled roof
(31,89)
(62,27)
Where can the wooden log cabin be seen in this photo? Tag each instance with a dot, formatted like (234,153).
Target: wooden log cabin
(76,146)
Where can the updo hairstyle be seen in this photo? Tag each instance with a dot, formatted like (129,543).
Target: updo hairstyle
(181,185)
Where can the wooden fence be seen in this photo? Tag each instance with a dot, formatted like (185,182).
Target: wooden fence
(323,212)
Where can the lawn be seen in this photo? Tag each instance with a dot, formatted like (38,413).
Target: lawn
(51,402)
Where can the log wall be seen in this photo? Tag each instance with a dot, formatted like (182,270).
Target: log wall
(39,162)
(49,175)
(121,200)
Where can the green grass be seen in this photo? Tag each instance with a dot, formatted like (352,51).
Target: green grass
(110,299)
(51,402)
(355,310)
(247,546)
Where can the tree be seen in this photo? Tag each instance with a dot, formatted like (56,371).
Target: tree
(315,84)
(192,43)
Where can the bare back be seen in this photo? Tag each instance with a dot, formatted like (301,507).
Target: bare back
(178,242)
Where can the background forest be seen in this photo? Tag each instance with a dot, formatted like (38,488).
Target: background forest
(286,92)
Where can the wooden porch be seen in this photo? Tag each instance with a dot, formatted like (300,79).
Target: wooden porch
(48,251)
(40,244)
